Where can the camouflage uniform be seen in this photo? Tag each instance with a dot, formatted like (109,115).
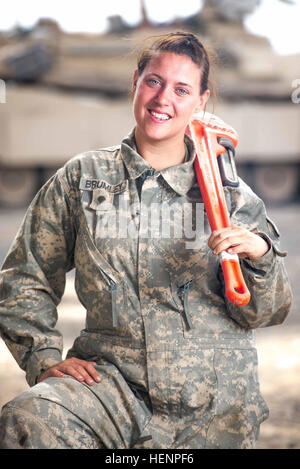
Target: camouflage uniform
(178,361)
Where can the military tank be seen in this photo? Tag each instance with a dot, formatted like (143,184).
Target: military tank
(67,93)
(42,128)
(63,96)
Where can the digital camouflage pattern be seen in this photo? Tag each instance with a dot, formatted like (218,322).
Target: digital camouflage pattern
(178,361)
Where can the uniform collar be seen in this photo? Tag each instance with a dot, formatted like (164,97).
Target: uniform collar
(180,177)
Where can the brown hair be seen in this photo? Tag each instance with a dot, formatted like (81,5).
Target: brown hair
(181,43)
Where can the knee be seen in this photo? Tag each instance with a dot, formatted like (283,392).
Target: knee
(22,426)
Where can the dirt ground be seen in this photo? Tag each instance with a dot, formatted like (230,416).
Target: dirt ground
(278,347)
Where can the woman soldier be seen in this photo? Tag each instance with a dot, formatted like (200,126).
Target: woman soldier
(164,361)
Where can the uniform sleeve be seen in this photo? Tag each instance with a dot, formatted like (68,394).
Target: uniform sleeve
(265,277)
(33,280)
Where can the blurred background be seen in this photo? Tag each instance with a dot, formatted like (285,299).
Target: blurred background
(65,79)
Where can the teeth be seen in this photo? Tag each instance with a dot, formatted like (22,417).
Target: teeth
(160,116)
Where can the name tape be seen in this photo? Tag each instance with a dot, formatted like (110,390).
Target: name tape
(92,184)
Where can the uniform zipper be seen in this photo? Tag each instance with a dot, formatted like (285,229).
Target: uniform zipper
(186,289)
(113,289)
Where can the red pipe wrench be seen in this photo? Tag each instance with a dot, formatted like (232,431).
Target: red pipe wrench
(208,133)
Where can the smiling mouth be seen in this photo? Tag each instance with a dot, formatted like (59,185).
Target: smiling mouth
(160,116)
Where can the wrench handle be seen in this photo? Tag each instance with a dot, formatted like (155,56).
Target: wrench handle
(236,290)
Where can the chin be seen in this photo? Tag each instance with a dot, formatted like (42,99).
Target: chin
(160,134)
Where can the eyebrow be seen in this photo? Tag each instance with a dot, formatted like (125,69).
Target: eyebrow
(180,83)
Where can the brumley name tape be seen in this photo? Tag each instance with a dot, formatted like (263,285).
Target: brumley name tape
(92,184)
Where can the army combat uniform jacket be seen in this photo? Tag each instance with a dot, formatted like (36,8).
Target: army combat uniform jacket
(177,360)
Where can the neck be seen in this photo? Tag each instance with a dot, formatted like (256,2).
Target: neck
(161,155)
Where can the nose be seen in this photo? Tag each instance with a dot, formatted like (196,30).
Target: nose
(163,95)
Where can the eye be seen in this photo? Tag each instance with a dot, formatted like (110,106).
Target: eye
(181,91)
(152,82)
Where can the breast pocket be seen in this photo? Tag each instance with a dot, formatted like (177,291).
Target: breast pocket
(100,288)
(198,297)
(109,212)
(102,200)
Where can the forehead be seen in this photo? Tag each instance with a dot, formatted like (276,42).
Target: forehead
(175,67)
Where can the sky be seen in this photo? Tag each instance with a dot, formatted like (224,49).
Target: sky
(274,19)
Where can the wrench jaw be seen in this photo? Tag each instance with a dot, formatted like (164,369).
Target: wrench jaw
(217,129)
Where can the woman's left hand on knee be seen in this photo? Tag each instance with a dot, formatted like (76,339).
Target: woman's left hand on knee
(81,370)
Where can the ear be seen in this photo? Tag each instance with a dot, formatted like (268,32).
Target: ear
(202,101)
